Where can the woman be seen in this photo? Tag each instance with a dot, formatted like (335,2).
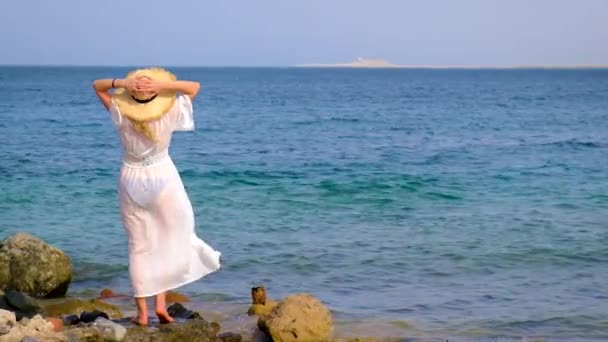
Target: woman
(164,251)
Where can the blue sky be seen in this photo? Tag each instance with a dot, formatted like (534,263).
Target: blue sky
(288,32)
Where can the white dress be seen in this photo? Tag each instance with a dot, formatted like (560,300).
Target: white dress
(164,250)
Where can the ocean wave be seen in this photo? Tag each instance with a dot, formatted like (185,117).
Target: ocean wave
(574,143)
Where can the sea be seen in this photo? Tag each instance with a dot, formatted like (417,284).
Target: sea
(460,205)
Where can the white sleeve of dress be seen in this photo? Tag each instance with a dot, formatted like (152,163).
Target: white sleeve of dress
(115,114)
(185,114)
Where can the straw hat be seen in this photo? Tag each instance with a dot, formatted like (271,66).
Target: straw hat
(136,107)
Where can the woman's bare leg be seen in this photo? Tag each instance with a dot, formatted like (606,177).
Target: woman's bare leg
(161,309)
(142,311)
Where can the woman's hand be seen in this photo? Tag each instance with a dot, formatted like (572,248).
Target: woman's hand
(130,85)
(147,85)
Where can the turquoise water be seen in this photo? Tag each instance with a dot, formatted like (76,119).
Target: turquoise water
(465,203)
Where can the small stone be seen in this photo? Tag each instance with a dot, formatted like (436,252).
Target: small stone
(258,295)
(23,303)
(230,337)
(177,310)
(71,320)
(29,339)
(261,305)
(88,317)
(56,322)
(106,293)
(110,330)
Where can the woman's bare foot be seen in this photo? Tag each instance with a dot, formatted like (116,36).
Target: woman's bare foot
(139,320)
(164,317)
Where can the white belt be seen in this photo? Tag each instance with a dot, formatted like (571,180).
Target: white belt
(152,160)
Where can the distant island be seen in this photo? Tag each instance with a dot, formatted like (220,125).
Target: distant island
(381,63)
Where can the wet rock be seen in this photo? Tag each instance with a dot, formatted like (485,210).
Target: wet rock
(74,306)
(177,310)
(108,293)
(193,330)
(22,304)
(214,327)
(3,302)
(78,334)
(88,317)
(299,317)
(261,305)
(230,337)
(110,330)
(7,321)
(29,265)
(261,309)
(71,320)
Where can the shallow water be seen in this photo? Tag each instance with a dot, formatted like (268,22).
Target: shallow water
(454,203)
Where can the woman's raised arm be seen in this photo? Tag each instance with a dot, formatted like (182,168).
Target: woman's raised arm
(189,88)
(102,88)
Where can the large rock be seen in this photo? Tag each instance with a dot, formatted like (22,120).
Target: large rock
(30,265)
(299,317)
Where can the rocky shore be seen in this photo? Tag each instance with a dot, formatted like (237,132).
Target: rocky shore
(34,282)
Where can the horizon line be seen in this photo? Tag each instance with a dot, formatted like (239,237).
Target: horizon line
(331,66)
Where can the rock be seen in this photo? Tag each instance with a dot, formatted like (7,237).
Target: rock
(74,306)
(88,317)
(77,334)
(193,330)
(56,322)
(22,304)
(214,327)
(230,337)
(71,320)
(108,293)
(34,267)
(3,302)
(261,309)
(258,295)
(110,330)
(36,328)
(299,317)
(7,321)
(261,305)
(177,310)
(5,269)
